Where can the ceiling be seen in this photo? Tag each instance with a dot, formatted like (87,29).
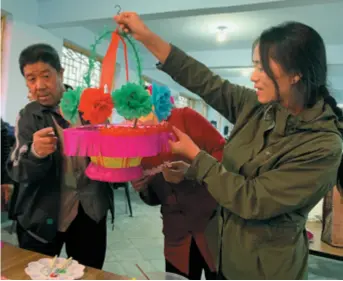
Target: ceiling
(197,33)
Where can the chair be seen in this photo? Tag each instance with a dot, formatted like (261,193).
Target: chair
(127,193)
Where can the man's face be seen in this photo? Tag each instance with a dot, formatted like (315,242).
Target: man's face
(44,83)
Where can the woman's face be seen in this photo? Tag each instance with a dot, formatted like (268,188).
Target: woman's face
(265,88)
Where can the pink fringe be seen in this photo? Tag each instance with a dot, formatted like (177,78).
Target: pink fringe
(87,141)
(99,173)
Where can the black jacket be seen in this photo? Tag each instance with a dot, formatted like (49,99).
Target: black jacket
(38,198)
(5,152)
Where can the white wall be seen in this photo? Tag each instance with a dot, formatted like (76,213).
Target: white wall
(198,106)
(13,88)
(27,12)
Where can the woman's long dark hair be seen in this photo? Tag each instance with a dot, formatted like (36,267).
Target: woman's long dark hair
(299,50)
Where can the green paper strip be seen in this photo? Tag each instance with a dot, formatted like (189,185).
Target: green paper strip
(92,58)
(137,56)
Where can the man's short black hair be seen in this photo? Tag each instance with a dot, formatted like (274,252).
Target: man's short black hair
(39,53)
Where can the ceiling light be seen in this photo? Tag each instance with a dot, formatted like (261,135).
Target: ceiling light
(246,72)
(222,32)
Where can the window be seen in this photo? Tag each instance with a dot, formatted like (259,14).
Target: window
(75,63)
(182,101)
(3,28)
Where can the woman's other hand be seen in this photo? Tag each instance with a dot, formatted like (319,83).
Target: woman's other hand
(184,145)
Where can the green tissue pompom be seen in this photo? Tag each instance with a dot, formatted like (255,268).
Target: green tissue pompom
(132,101)
(70,103)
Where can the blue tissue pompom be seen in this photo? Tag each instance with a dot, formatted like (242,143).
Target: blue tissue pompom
(161,100)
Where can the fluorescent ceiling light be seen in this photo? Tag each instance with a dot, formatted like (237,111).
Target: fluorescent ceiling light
(246,72)
(222,33)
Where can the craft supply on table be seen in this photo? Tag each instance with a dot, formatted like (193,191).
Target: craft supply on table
(161,276)
(55,269)
(142,271)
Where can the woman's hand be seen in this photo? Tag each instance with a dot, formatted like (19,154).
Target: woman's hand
(130,22)
(184,145)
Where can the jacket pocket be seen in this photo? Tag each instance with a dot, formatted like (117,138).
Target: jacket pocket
(283,257)
(276,262)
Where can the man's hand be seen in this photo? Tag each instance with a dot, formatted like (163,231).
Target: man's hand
(175,171)
(142,183)
(44,142)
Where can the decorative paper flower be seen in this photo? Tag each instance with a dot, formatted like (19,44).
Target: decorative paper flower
(161,100)
(95,105)
(69,104)
(132,101)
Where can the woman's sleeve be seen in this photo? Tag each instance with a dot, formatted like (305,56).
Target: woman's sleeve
(301,180)
(228,99)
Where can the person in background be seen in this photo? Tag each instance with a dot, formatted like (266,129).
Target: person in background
(6,182)
(186,206)
(284,151)
(56,202)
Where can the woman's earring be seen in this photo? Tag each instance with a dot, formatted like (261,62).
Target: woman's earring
(295,79)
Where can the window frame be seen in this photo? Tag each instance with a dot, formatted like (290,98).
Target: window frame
(80,51)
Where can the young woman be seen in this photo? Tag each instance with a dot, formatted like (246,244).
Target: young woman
(283,153)
(186,206)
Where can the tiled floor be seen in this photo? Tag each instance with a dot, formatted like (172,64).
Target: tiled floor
(138,240)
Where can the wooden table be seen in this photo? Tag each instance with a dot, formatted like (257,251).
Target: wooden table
(14,260)
(319,248)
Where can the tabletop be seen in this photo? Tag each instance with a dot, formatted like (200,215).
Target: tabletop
(14,260)
(318,247)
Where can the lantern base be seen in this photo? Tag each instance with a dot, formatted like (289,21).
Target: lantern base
(95,172)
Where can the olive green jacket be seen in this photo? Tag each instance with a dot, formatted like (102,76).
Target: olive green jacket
(275,169)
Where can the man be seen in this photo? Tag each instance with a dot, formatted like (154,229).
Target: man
(30,97)
(56,202)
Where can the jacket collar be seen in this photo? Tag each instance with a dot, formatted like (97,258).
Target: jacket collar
(287,123)
(40,110)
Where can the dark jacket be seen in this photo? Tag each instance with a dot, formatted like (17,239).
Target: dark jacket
(276,167)
(5,152)
(38,200)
